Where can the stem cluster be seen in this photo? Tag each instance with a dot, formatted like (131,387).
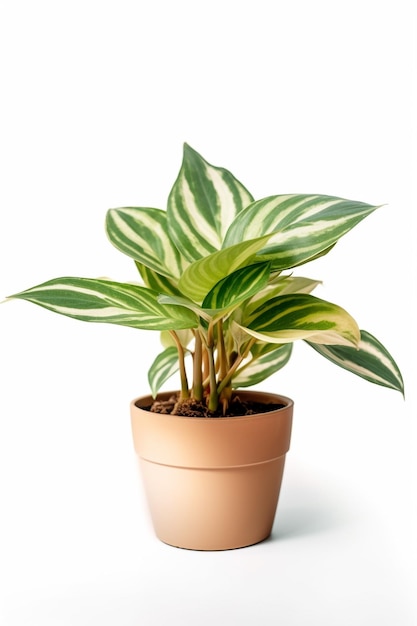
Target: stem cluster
(215,362)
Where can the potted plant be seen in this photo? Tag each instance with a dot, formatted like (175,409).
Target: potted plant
(217,283)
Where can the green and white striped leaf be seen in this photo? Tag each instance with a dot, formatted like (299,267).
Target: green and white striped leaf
(284,319)
(164,366)
(142,234)
(157,282)
(201,276)
(304,225)
(282,286)
(97,300)
(188,304)
(202,204)
(231,291)
(262,367)
(370,360)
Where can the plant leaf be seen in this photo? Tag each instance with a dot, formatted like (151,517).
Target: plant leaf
(201,276)
(97,300)
(284,319)
(188,304)
(202,204)
(284,285)
(237,287)
(164,366)
(370,360)
(142,234)
(185,337)
(262,367)
(157,282)
(304,225)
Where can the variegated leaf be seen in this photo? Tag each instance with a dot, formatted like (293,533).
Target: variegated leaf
(304,225)
(237,287)
(164,366)
(202,204)
(142,234)
(201,276)
(262,367)
(188,304)
(284,319)
(97,300)
(283,285)
(370,360)
(157,282)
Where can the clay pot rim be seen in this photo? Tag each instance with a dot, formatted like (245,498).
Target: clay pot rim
(259,396)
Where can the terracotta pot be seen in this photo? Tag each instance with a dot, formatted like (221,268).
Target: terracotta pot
(212,483)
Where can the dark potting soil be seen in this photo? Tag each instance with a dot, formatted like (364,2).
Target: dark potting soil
(192,408)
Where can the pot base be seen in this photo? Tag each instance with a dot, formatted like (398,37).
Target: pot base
(213,509)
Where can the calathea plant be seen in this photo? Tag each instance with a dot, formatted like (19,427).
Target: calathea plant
(216,284)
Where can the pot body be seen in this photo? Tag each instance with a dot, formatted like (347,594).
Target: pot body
(212,483)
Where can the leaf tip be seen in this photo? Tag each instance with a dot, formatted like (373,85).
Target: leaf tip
(187,148)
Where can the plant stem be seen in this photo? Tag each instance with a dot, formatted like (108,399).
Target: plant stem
(228,378)
(213,397)
(198,367)
(181,360)
(206,367)
(221,348)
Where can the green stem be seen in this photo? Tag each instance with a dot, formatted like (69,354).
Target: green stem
(228,378)
(198,368)
(221,350)
(214,396)
(181,360)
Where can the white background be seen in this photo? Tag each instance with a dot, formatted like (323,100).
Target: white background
(96,101)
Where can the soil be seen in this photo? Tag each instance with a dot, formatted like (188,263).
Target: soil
(192,408)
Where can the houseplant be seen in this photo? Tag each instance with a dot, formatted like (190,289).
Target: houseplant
(216,284)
